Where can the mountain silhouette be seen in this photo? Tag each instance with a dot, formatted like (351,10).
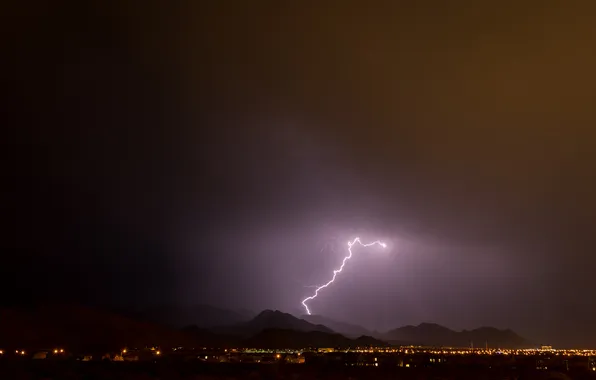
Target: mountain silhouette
(432,334)
(240,324)
(85,328)
(284,338)
(271,319)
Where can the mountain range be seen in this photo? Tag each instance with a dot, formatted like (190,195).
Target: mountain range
(79,327)
(234,324)
(295,339)
(431,334)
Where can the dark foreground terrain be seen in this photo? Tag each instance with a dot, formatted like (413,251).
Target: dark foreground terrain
(202,371)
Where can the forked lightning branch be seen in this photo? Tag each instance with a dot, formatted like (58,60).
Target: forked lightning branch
(337,271)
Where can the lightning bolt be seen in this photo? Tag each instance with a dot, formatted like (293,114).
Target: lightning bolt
(335,272)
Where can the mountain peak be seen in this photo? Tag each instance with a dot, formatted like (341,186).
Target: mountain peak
(275,319)
(269,314)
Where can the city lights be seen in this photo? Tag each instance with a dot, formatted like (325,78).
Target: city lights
(411,357)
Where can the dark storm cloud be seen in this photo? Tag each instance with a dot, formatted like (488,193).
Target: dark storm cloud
(233,141)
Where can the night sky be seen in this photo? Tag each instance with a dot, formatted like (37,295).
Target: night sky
(224,152)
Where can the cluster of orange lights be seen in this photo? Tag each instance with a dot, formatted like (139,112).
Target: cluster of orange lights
(155,350)
(22,352)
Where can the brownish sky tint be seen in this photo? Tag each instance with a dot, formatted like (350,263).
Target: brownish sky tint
(226,143)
